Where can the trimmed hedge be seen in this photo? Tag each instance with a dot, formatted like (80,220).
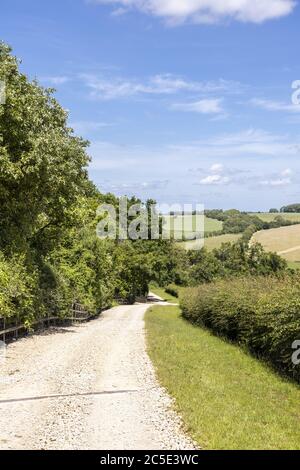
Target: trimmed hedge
(261,313)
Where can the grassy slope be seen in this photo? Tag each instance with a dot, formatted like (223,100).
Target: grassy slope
(160,291)
(294,265)
(210,225)
(266,217)
(228,400)
(281,239)
(212,242)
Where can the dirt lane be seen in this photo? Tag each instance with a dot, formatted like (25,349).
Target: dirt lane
(90,386)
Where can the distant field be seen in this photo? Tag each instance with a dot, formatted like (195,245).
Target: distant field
(267,217)
(212,242)
(210,225)
(284,241)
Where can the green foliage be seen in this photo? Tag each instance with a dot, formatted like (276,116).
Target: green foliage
(232,259)
(17,288)
(293,208)
(235,221)
(50,255)
(172,290)
(227,399)
(42,164)
(261,313)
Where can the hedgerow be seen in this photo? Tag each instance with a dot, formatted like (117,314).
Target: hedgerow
(260,313)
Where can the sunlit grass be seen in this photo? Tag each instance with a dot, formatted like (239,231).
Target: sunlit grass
(210,243)
(228,399)
(160,291)
(267,217)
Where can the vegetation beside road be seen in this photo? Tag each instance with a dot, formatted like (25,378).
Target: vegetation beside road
(50,255)
(228,399)
(259,313)
(161,292)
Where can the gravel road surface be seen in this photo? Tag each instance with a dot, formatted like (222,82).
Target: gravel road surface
(89,386)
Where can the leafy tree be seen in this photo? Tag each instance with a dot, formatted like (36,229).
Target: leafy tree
(42,163)
(293,208)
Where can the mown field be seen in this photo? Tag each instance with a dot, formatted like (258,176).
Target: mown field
(175,222)
(228,399)
(267,217)
(211,243)
(284,241)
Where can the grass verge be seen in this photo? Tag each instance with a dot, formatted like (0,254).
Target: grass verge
(160,291)
(228,400)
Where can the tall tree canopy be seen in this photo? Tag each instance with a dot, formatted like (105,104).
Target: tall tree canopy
(42,163)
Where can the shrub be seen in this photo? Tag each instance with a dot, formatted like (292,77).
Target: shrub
(261,313)
(172,290)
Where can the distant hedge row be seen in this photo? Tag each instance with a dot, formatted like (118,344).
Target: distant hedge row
(261,313)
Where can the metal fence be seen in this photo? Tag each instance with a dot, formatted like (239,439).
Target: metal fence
(11,328)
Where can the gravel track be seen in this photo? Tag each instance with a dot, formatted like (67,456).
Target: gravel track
(89,386)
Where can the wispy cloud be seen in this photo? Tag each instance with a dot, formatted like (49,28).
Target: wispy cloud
(283,179)
(252,142)
(133,186)
(85,127)
(55,80)
(110,88)
(271,105)
(205,106)
(208,11)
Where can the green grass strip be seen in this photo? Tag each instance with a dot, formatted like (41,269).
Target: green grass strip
(228,399)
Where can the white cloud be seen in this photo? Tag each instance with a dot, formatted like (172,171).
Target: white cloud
(283,179)
(287,172)
(133,186)
(270,105)
(217,168)
(209,11)
(205,106)
(217,176)
(215,179)
(109,88)
(277,182)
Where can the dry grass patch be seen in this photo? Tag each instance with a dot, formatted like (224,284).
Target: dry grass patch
(283,240)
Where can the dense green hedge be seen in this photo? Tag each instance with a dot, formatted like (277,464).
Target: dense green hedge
(260,313)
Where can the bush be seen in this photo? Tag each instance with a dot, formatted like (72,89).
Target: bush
(261,313)
(172,290)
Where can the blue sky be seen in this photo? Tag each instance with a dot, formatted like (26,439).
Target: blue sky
(185,101)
